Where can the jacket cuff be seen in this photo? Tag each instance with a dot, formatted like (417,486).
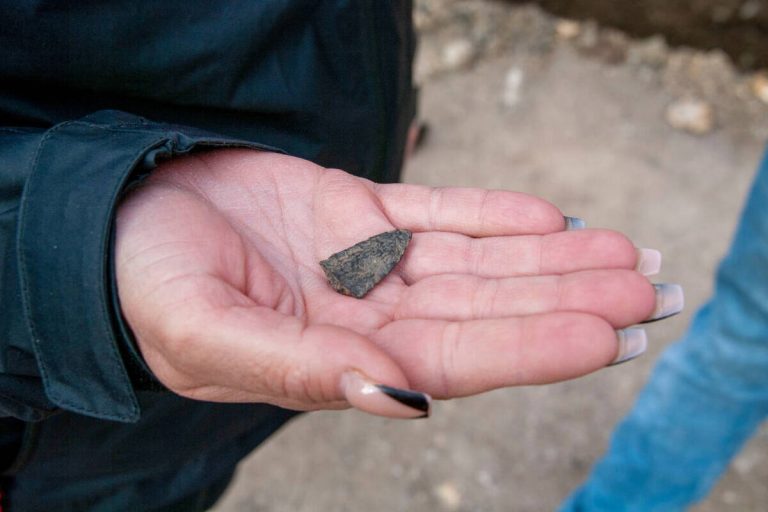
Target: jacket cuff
(65,239)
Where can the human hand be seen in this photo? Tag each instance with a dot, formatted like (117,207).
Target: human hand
(217,268)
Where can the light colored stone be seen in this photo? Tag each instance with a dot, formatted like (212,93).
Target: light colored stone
(750,9)
(759,85)
(513,84)
(457,54)
(567,29)
(652,52)
(448,495)
(746,462)
(691,115)
(589,35)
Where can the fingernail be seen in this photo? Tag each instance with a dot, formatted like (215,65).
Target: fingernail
(574,223)
(669,301)
(648,262)
(382,400)
(632,343)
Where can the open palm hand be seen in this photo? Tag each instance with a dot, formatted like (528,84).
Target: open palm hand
(217,266)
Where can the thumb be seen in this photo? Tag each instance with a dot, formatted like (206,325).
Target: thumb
(257,354)
(367,378)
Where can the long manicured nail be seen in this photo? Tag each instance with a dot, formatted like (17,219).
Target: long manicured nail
(648,262)
(382,400)
(574,223)
(632,343)
(669,301)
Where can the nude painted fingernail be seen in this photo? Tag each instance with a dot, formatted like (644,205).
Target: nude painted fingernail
(648,262)
(670,300)
(632,343)
(382,400)
(574,223)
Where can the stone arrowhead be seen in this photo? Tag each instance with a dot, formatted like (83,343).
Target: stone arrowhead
(356,270)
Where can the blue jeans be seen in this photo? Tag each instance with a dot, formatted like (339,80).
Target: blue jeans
(707,395)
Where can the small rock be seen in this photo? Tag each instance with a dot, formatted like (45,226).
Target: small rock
(458,54)
(745,463)
(691,115)
(567,29)
(513,83)
(612,46)
(730,497)
(712,70)
(448,495)
(357,269)
(759,86)
(589,35)
(651,52)
(750,9)
(606,44)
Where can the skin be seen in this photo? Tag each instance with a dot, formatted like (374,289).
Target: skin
(217,266)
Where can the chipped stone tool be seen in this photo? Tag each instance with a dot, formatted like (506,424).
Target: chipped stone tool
(357,269)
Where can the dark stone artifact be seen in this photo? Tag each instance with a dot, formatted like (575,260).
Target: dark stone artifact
(356,270)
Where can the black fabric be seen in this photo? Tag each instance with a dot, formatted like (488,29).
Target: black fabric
(177,448)
(92,95)
(325,80)
(11,434)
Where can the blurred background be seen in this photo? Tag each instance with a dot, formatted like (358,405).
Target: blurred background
(645,116)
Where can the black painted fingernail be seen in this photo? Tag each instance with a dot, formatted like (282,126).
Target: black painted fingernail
(367,395)
(412,399)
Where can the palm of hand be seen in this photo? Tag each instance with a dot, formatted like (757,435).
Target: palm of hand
(217,262)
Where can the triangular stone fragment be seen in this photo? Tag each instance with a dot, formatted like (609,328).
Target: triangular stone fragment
(356,270)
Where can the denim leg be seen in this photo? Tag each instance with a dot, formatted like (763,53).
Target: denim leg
(706,396)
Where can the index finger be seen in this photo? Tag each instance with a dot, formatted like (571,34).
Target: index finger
(471,211)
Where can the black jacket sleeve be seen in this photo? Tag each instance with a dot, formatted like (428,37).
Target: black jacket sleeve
(62,341)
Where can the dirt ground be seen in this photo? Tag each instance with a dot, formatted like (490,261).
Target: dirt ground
(740,27)
(580,115)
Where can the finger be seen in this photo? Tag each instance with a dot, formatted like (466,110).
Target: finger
(347,212)
(621,297)
(474,212)
(558,253)
(453,359)
(252,353)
